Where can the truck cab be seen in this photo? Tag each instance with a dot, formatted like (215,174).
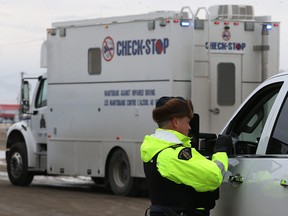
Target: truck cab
(25,160)
(257,180)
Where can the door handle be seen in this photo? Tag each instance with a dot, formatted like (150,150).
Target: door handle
(236,179)
(215,111)
(284,183)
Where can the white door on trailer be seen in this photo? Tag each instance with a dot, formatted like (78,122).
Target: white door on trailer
(226,76)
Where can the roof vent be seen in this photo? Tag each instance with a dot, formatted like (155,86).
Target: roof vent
(243,12)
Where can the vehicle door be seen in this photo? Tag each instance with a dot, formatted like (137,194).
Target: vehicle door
(225,89)
(38,118)
(269,172)
(252,183)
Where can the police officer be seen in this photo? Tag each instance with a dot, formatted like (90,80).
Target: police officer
(181,181)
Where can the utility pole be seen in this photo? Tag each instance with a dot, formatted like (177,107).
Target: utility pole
(21,97)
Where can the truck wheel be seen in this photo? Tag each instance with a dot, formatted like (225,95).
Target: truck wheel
(119,174)
(17,165)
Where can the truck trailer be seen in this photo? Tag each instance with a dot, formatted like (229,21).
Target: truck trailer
(93,107)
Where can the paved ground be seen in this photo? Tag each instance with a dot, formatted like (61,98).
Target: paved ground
(41,199)
(58,197)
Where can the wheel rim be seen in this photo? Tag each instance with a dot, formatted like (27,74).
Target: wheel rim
(16,165)
(121,173)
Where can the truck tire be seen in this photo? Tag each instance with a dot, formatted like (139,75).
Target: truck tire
(17,165)
(119,174)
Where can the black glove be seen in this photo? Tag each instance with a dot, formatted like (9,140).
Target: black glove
(223,144)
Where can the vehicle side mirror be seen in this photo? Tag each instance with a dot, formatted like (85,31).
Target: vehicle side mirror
(203,142)
(207,143)
(194,132)
(25,97)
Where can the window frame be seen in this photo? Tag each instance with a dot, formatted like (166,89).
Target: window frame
(271,149)
(94,56)
(41,96)
(226,88)
(256,102)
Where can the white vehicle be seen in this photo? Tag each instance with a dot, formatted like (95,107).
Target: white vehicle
(91,110)
(257,179)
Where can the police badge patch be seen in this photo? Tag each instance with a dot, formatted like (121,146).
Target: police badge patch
(185,154)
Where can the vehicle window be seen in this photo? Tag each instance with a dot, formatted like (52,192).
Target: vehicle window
(94,61)
(226,84)
(41,98)
(251,119)
(278,143)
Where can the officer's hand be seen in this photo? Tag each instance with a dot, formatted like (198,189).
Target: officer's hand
(223,144)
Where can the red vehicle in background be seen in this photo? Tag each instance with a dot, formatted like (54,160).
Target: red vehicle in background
(9,113)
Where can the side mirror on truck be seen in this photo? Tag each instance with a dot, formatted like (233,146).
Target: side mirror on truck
(25,97)
(194,132)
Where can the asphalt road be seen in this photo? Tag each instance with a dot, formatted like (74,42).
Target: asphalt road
(61,199)
(58,196)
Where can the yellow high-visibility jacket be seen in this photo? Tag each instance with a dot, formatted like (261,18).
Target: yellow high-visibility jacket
(183,164)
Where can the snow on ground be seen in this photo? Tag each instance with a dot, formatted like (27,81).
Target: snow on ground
(2,154)
(2,158)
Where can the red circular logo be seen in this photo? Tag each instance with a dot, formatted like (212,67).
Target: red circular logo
(226,35)
(108,49)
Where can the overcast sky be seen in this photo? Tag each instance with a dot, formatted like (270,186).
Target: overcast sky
(23,25)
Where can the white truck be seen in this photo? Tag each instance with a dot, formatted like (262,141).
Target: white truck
(92,109)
